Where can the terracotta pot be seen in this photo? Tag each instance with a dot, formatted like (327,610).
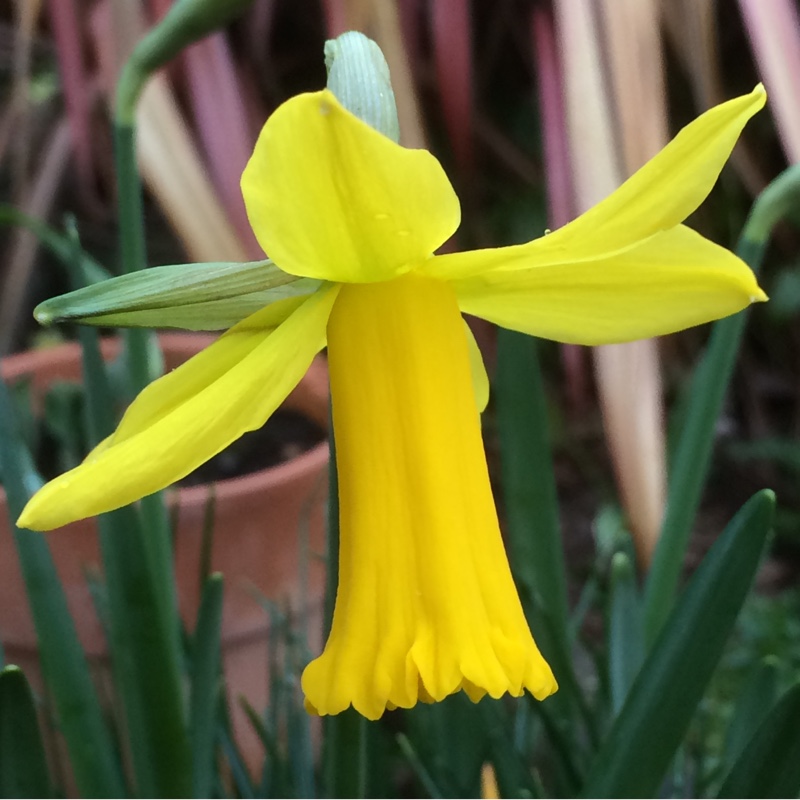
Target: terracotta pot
(268,529)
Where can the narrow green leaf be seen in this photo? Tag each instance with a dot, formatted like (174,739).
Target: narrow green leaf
(625,632)
(632,760)
(345,755)
(57,243)
(241,777)
(270,748)
(694,446)
(769,765)
(690,467)
(298,735)
(569,702)
(531,506)
(514,778)
(205,686)
(756,699)
(569,775)
(23,768)
(143,617)
(529,488)
(64,666)
(206,296)
(420,770)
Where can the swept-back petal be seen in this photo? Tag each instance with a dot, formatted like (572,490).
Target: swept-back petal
(657,197)
(169,392)
(188,416)
(329,197)
(673,280)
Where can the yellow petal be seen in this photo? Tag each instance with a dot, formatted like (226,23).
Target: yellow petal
(235,386)
(480,380)
(329,197)
(169,392)
(672,281)
(425,605)
(660,195)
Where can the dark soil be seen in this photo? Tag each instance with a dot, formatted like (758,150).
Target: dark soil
(285,435)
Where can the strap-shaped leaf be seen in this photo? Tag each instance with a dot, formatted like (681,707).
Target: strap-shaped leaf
(211,296)
(91,751)
(768,765)
(23,768)
(625,631)
(692,455)
(633,758)
(757,696)
(205,686)
(57,243)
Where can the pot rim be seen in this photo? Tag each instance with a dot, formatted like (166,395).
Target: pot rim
(186,344)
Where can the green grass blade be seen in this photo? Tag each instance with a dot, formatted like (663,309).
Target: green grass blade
(419,768)
(693,448)
(690,467)
(634,757)
(625,633)
(80,717)
(758,696)
(769,765)
(569,703)
(346,755)
(529,487)
(57,243)
(143,620)
(205,686)
(531,505)
(241,777)
(23,768)
(514,778)
(568,775)
(299,741)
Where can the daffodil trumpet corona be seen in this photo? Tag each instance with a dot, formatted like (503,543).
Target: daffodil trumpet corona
(426,605)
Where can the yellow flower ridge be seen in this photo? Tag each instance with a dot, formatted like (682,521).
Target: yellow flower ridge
(426,605)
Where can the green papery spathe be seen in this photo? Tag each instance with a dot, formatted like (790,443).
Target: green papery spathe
(197,297)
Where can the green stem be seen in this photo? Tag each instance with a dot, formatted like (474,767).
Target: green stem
(345,741)
(187,21)
(132,244)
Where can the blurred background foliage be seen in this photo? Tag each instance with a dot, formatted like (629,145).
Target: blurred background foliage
(536,110)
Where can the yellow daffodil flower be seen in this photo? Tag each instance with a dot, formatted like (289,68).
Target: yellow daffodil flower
(426,605)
